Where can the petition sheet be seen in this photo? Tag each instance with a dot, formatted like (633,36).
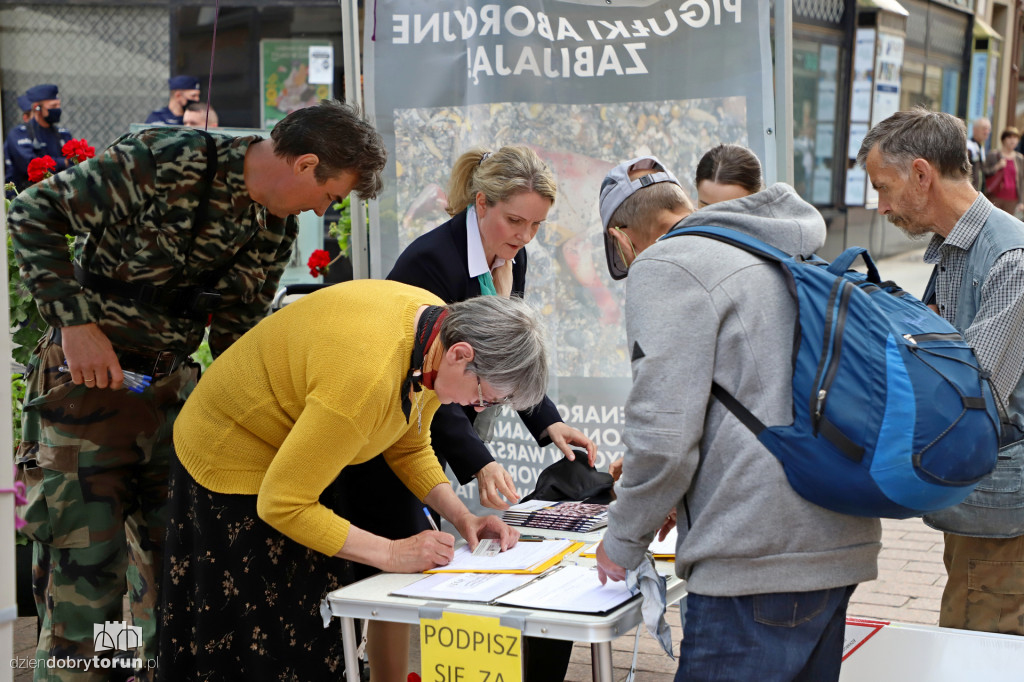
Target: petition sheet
(482,587)
(569,588)
(523,556)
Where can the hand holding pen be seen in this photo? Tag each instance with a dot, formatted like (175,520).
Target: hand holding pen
(133,381)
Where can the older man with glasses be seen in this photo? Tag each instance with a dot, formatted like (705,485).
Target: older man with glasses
(769,574)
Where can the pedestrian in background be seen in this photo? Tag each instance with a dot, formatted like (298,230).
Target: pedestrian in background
(184,89)
(39,136)
(1004,174)
(977,152)
(200,115)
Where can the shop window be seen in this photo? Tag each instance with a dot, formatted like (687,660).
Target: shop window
(815,89)
(246,39)
(936,41)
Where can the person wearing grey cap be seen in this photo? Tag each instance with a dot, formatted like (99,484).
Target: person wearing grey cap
(184,89)
(769,574)
(37,137)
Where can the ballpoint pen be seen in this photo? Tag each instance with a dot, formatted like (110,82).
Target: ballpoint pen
(133,381)
(430,518)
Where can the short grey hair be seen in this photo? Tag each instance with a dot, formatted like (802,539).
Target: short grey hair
(937,137)
(509,344)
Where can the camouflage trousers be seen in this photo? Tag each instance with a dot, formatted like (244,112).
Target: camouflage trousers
(95,462)
(985,586)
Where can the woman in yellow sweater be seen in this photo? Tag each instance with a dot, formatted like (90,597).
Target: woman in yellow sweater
(324,383)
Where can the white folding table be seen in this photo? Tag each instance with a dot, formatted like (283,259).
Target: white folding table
(370,599)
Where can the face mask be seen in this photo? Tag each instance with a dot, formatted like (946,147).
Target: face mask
(53,116)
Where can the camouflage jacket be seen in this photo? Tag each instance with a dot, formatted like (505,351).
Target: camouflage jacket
(130,210)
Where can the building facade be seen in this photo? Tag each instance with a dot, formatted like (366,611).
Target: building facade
(854,61)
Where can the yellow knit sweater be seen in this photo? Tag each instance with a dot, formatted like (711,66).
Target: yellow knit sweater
(310,389)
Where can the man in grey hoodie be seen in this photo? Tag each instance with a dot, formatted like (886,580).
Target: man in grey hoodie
(769,574)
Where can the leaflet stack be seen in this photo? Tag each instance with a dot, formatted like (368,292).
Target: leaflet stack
(577,517)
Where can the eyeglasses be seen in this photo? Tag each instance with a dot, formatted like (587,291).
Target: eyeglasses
(487,403)
(618,265)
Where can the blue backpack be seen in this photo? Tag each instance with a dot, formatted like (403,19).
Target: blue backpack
(892,416)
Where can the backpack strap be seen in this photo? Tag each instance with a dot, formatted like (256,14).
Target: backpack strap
(745,416)
(767,251)
(758,248)
(841,264)
(200,218)
(188,302)
(734,237)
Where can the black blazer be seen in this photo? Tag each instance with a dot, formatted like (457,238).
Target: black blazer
(437,261)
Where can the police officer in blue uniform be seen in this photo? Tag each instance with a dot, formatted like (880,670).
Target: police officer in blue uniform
(39,136)
(184,89)
(26,109)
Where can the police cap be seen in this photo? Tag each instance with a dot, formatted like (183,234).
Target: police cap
(40,93)
(24,103)
(183,83)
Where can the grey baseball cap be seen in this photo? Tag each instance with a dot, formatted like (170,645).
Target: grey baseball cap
(616,188)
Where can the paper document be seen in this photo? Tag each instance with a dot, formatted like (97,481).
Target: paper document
(481,587)
(569,588)
(531,557)
(664,549)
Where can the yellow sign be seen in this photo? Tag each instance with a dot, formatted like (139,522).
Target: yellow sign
(461,648)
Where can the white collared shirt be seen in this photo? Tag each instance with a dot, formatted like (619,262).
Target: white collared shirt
(477,260)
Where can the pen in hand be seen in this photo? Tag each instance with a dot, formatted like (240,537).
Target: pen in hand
(133,381)
(430,518)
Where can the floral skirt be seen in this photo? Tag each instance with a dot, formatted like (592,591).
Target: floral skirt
(239,599)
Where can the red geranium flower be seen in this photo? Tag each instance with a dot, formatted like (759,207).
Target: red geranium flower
(40,168)
(77,151)
(319,262)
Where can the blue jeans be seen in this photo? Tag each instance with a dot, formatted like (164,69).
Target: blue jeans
(779,637)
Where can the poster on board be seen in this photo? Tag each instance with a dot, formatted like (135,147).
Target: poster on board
(888,67)
(586,85)
(285,82)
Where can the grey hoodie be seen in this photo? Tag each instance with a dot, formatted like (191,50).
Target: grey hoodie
(698,311)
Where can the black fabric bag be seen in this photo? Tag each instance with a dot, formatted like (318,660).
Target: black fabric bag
(573,480)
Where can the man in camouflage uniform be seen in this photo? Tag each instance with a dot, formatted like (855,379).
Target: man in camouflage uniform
(174,229)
